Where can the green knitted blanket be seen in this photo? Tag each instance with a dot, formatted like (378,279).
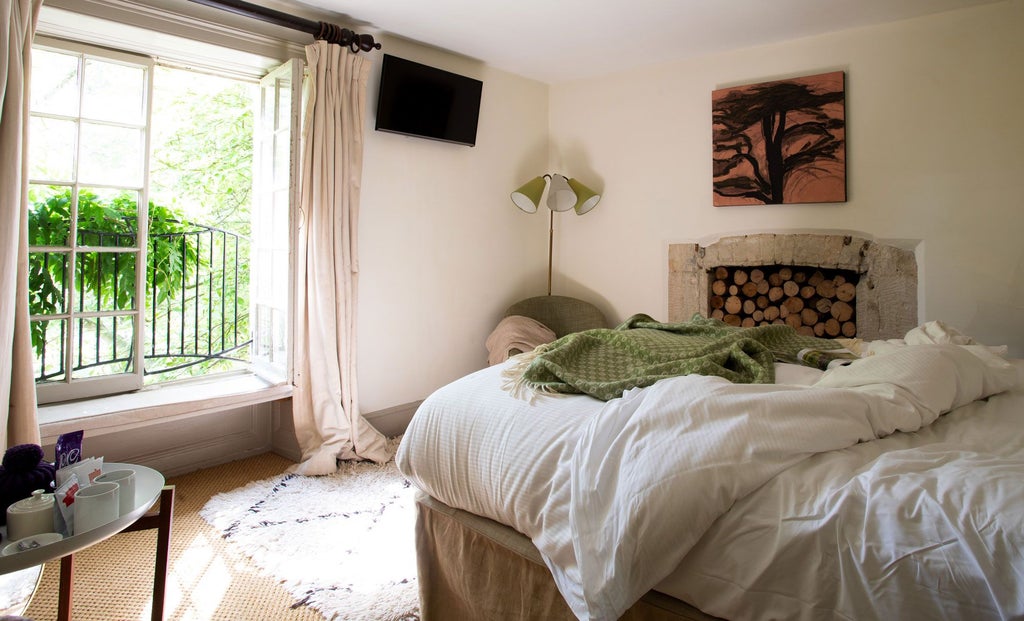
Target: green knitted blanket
(603,363)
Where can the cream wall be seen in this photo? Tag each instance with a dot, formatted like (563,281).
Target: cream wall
(442,249)
(934,133)
(935,154)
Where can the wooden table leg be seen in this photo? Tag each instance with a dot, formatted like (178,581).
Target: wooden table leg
(161,520)
(64,593)
(163,549)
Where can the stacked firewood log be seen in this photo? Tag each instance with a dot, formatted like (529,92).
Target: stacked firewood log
(815,301)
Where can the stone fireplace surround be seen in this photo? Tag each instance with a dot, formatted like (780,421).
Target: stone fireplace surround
(886,299)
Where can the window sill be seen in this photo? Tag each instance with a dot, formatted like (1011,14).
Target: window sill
(156,404)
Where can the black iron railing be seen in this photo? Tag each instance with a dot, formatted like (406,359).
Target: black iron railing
(208,318)
(201,317)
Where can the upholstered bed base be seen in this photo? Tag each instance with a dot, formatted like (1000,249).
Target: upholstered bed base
(472,568)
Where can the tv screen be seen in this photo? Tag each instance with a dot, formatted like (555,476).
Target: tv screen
(417,100)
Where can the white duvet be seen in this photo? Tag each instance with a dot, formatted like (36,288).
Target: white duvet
(928,525)
(616,497)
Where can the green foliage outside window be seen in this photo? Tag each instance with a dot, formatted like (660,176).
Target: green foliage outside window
(105,223)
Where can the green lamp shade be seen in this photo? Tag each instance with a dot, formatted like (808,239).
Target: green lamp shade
(527,197)
(586,199)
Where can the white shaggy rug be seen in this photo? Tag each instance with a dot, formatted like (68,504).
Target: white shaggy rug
(342,544)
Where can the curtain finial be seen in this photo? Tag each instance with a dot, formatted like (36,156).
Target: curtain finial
(333,33)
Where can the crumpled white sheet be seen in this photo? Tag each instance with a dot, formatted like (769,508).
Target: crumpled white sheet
(655,469)
(926,525)
(930,333)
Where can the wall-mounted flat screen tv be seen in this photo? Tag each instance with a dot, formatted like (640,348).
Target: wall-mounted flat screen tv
(423,101)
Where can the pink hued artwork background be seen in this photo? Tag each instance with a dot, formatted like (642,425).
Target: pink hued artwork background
(780,142)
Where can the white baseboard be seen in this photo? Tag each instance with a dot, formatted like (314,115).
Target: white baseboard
(394,420)
(390,422)
(282,434)
(179,446)
(236,436)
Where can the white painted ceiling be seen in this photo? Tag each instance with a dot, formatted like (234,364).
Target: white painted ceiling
(558,40)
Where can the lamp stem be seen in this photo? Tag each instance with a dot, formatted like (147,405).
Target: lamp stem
(551,237)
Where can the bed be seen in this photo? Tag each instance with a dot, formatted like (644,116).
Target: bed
(886,488)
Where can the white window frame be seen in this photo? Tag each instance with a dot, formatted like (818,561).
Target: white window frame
(177,33)
(71,387)
(269,180)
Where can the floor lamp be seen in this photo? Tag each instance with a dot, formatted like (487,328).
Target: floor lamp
(563,195)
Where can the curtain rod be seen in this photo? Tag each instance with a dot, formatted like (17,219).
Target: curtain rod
(331,33)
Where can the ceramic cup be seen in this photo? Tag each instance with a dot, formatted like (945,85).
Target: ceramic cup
(125,479)
(95,506)
(87,471)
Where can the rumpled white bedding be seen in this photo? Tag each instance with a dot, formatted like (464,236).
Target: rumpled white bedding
(615,495)
(924,525)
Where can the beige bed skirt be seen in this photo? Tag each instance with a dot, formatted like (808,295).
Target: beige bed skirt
(474,569)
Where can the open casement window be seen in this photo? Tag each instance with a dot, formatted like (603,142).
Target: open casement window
(126,289)
(88,165)
(275,205)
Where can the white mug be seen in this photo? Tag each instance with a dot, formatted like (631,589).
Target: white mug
(87,471)
(95,506)
(125,480)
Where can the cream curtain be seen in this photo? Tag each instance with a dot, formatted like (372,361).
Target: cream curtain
(325,403)
(17,388)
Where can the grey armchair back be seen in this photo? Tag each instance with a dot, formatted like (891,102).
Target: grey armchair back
(562,314)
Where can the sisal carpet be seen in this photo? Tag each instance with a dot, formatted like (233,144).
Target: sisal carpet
(210,578)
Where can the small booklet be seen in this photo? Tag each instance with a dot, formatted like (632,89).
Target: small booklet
(826,359)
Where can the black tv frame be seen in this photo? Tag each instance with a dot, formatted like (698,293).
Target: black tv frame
(426,102)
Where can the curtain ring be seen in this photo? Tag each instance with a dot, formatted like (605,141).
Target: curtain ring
(332,33)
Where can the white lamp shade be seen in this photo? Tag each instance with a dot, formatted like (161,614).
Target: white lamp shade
(560,195)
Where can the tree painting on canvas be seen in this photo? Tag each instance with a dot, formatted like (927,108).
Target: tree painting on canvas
(780,142)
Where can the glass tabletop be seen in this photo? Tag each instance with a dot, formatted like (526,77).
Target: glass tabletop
(148,483)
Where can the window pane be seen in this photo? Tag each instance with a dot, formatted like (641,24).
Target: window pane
(280,279)
(277,236)
(49,215)
(47,283)
(54,83)
(102,346)
(113,92)
(282,149)
(262,286)
(266,163)
(48,342)
(284,104)
(268,96)
(270,334)
(52,149)
(107,217)
(111,155)
(105,281)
